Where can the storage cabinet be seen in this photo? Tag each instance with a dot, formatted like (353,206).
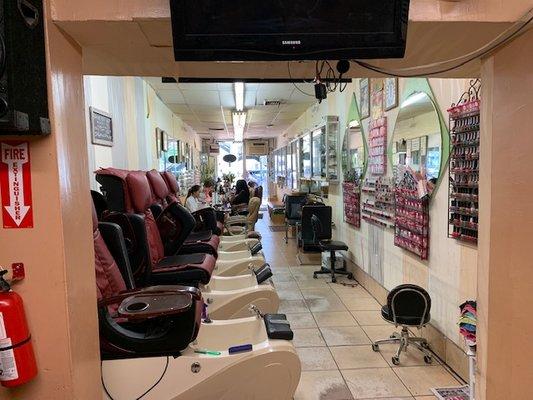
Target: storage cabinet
(332,149)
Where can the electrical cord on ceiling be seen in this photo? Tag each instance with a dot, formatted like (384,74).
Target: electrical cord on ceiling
(501,39)
(332,80)
(147,391)
(294,83)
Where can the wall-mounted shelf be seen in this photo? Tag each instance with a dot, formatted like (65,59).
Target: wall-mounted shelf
(378,207)
(464,166)
(377,139)
(411,217)
(352,206)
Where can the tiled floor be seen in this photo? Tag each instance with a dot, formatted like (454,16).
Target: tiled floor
(334,326)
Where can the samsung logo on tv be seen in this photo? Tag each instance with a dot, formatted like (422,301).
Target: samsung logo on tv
(291,42)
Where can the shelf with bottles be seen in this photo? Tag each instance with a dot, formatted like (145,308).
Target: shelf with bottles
(465,119)
(411,216)
(378,206)
(377,143)
(376,221)
(414,243)
(352,206)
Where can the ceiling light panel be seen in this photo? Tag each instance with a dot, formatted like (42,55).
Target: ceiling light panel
(238,88)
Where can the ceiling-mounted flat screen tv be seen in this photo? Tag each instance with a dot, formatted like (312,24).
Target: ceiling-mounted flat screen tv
(267,30)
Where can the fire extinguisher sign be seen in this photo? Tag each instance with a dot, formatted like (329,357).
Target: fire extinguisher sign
(15,184)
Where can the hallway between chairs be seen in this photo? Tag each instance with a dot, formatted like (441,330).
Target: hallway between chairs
(334,326)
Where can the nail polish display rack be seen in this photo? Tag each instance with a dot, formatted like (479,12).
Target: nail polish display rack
(377,160)
(464,166)
(378,207)
(352,205)
(412,218)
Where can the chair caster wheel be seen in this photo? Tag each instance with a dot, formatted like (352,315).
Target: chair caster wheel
(314,276)
(375,347)
(396,360)
(350,277)
(428,359)
(333,280)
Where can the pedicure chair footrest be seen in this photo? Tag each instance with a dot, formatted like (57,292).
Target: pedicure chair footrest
(278,327)
(263,273)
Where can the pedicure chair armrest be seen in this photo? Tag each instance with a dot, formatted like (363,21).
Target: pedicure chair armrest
(152,302)
(193,291)
(143,307)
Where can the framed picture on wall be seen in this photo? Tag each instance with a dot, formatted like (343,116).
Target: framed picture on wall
(158,134)
(364,93)
(101,127)
(391,93)
(164,141)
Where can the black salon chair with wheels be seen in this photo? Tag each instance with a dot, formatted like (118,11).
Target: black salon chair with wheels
(328,245)
(407,306)
(293,212)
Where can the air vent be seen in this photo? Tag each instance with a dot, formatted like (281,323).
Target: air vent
(276,103)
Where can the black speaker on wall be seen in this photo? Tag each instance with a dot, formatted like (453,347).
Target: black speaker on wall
(23,94)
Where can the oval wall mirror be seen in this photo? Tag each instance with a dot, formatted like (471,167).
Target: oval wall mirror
(354,151)
(417,139)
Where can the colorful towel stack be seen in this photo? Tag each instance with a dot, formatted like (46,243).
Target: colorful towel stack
(467,322)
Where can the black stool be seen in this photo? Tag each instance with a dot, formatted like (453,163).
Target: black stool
(328,245)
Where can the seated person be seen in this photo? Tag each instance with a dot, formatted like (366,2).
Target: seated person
(242,193)
(252,185)
(207,193)
(192,202)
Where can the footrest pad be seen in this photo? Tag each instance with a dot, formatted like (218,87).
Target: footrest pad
(278,327)
(256,248)
(263,274)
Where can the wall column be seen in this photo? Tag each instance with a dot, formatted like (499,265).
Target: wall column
(59,289)
(505,266)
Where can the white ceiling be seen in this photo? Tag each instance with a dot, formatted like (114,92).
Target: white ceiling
(207,107)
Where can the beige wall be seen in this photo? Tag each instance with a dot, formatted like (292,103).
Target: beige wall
(450,273)
(505,275)
(137,112)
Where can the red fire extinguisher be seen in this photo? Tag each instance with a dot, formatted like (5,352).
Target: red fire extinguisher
(17,360)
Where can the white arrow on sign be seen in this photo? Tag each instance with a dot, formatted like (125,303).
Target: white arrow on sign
(15,157)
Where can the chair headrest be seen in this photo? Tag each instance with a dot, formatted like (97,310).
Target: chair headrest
(158,185)
(113,181)
(139,191)
(171,182)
